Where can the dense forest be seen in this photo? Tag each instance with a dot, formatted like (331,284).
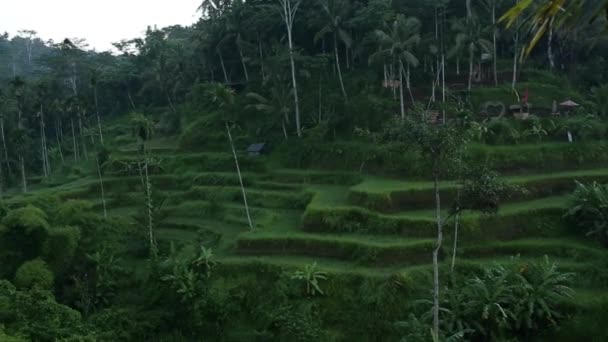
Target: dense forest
(299,170)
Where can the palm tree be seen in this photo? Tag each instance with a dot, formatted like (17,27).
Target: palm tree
(548,14)
(143,129)
(336,12)
(288,10)
(277,105)
(491,7)
(398,45)
(95,74)
(311,277)
(223,96)
(4,104)
(470,34)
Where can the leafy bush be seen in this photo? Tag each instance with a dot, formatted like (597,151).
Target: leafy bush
(36,274)
(589,210)
(60,247)
(505,303)
(22,237)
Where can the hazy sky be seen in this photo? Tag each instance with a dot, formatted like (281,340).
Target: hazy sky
(101,22)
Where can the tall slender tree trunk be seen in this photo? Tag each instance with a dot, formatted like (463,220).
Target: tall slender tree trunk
(455,245)
(84,143)
(103,195)
(261,53)
(60,149)
(295,83)
(495,52)
(515,55)
(401,90)
(150,207)
(284,129)
(75,144)
(443,89)
(436,251)
(338,66)
(458,66)
(550,46)
(45,171)
(471,51)
(8,164)
(219,53)
(130,98)
(243,64)
(408,82)
(23,178)
(97,114)
(238,170)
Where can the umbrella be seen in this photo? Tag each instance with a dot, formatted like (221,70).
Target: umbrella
(569,103)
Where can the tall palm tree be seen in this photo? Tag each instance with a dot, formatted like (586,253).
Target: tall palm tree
(223,96)
(336,12)
(277,105)
(288,9)
(470,34)
(143,129)
(398,44)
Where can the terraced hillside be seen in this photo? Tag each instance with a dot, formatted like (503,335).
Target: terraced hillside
(349,223)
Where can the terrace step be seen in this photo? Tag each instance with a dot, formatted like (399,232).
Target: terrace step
(386,195)
(364,251)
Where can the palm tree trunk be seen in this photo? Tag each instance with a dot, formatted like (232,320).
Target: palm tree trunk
(150,208)
(76,153)
(443,90)
(495,57)
(436,252)
(455,246)
(550,46)
(401,90)
(103,196)
(97,114)
(219,53)
(8,164)
(42,153)
(295,85)
(60,149)
(471,48)
(284,129)
(130,98)
(243,64)
(261,52)
(338,66)
(23,178)
(408,83)
(84,143)
(515,54)
(238,170)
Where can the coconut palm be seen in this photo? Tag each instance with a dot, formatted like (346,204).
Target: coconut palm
(223,96)
(336,12)
(470,34)
(276,105)
(398,44)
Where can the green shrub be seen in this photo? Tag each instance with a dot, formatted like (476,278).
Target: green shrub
(34,273)
(60,247)
(22,237)
(589,210)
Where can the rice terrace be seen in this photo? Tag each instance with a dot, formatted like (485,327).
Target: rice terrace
(327,170)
